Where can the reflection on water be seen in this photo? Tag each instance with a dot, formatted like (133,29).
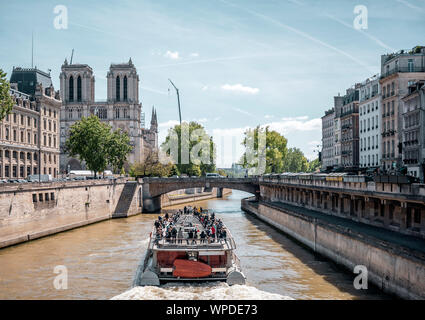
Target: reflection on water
(102,259)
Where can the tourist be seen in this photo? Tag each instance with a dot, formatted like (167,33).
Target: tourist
(180,235)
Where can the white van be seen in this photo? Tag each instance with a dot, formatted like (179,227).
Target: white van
(212,175)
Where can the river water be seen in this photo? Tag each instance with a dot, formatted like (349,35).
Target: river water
(101,261)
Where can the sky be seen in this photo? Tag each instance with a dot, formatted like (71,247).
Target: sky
(237,63)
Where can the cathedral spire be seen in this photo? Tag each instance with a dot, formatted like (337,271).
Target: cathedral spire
(154,120)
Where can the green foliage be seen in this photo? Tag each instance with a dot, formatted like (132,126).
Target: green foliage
(295,161)
(152,167)
(314,165)
(221,172)
(6,101)
(200,144)
(275,149)
(278,157)
(93,142)
(118,147)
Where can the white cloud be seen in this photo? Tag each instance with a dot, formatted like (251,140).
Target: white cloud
(240,88)
(267,116)
(288,125)
(204,88)
(194,54)
(172,55)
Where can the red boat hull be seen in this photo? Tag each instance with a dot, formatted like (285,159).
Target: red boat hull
(190,269)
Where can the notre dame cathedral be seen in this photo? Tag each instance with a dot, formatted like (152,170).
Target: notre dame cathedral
(122,108)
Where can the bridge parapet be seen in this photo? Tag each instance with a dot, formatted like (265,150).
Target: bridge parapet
(356,184)
(253,180)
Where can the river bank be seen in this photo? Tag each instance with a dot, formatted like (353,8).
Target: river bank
(395,263)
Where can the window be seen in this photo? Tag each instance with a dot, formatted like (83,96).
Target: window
(410,65)
(125,88)
(117,88)
(34,197)
(117,113)
(29,137)
(71,89)
(79,88)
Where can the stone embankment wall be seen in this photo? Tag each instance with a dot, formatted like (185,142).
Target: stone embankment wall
(29,211)
(394,269)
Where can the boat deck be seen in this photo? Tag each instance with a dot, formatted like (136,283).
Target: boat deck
(190,222)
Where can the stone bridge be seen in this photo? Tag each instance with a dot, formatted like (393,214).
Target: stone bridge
(153,188)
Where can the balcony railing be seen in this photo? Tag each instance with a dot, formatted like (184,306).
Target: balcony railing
(402,70)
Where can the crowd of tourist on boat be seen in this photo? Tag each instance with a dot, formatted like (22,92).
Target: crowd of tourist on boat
(166,227)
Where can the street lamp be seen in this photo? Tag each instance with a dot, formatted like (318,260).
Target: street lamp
(178,100)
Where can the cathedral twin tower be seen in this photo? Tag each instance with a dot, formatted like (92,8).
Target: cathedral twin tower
(121,109)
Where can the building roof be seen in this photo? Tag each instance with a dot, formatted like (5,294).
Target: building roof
(28,78)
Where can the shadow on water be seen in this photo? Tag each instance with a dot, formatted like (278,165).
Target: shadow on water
(329,270)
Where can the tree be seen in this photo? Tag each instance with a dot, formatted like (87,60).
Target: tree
(117,148)
(93,142)
(275,149)
(6,101)
(295,161)
(314,165)
(152,167)
(198,154)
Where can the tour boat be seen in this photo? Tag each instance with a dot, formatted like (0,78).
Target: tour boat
(188,258)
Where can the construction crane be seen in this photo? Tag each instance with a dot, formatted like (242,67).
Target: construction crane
(72,55)
(178,101)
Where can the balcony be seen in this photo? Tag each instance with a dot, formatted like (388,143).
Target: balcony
(388,133)
(402,70)
(410,161)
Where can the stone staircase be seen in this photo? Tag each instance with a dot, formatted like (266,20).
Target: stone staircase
(124,202)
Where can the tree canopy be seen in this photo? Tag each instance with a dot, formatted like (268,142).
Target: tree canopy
(6,101)
(152,167)
(263,143)
(191,149)
(94,142)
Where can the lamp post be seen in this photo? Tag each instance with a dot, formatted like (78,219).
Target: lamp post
(178,100)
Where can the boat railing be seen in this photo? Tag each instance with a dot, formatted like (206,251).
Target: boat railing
(212,243)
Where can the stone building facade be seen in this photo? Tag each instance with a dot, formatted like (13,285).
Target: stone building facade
(370,120)
(29,136)
(413,114)
(350,128)
(122,109)
(328,139)
(338,102)
(398,71)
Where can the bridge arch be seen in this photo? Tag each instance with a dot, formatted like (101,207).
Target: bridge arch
(153,188)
